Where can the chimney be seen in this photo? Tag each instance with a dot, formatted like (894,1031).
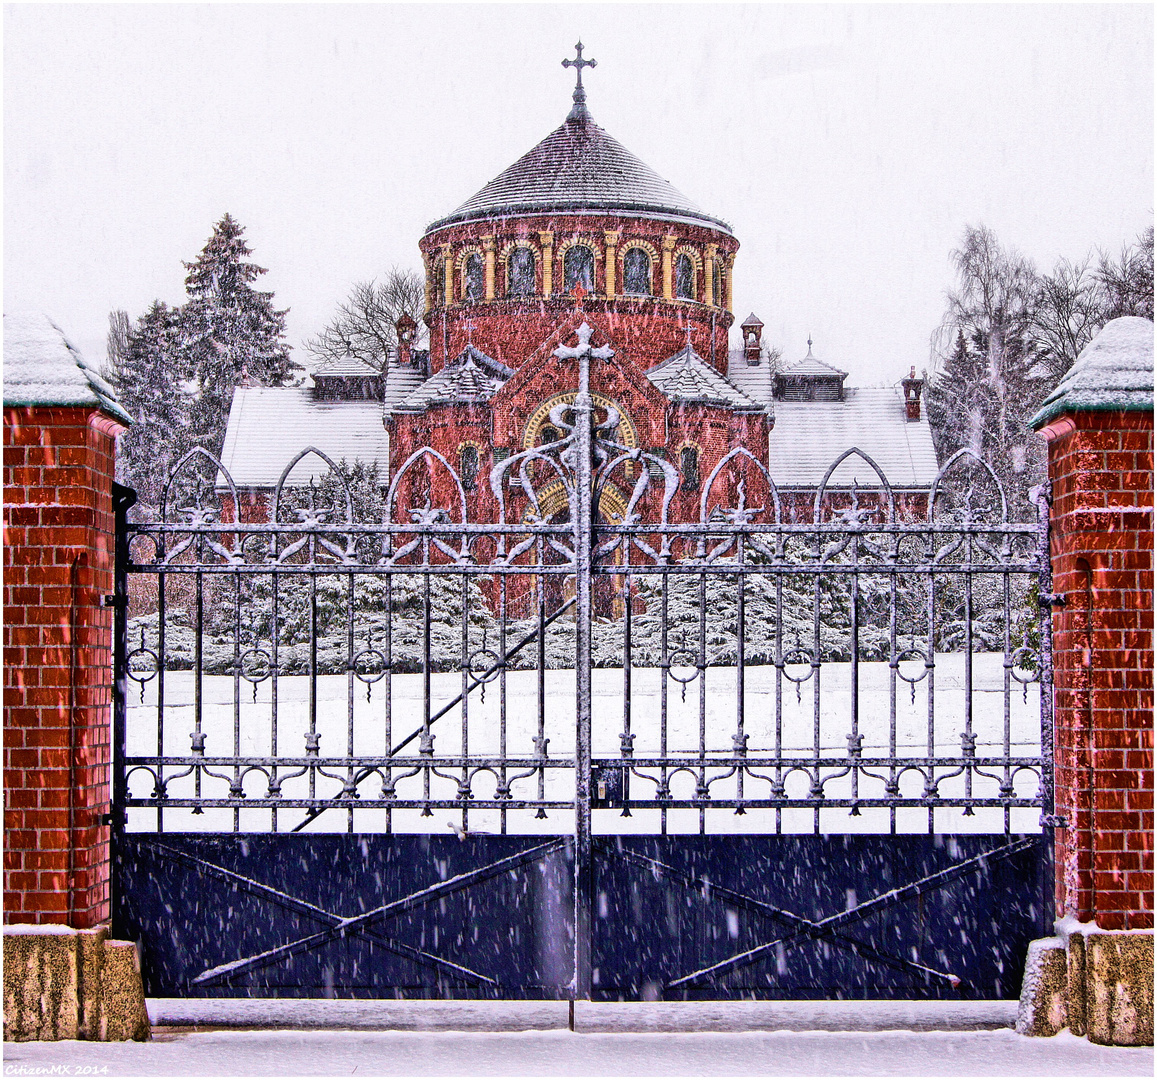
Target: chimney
(912,387)
(752,332)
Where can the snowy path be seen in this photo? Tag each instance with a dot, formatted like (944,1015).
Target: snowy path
(243,723)
(561,1053)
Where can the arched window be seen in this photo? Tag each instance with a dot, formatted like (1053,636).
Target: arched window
(717,284)
(520,273)
(468,462)
(684,278)
(475,277)
(689,466)
(547,434)
(578,268)
(637,272)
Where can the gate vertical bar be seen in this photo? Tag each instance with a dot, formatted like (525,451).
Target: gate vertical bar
(583,885)
(123,499)
(1045,599)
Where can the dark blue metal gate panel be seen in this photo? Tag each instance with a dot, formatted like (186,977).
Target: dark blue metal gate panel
(709,917)
(673,917)
(349,916)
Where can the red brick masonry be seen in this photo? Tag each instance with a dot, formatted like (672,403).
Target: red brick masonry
(58,560)
(1101,468)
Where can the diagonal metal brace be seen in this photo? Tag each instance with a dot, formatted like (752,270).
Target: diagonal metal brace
(312,911)
(314,812)
(805,926)
(359,923)
(862,911)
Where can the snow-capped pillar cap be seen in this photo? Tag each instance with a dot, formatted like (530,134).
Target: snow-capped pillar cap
(1114,373)
(42,367)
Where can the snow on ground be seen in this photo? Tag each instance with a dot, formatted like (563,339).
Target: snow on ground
(238,719)
(563,1053)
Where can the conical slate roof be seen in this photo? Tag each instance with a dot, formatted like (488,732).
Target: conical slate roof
(471,379)
(687,377)
(578,166)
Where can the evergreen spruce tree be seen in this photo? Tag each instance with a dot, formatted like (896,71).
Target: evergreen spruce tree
(229,331)
(144,367)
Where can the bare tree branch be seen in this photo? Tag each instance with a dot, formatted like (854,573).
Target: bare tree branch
(363,326)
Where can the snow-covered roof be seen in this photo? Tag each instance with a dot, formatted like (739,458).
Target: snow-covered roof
(754,380)
(812,365)
(401,381)
(1114,371)
(472,378)
(578,166)
(687,377)
(347,365)
(42,367)
(809,435)
(269,425)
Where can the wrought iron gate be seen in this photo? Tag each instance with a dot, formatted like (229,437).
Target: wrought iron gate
(795,752)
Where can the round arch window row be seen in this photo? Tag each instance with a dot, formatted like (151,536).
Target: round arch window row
(633,269)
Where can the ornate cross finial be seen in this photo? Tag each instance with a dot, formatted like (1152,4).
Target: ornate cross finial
(469,324)
(579,109)
(688,329)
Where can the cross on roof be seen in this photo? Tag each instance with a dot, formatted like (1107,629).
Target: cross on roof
(470,327)
(579,109)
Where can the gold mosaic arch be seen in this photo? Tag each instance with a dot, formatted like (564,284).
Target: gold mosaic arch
(628,436)
(552,499)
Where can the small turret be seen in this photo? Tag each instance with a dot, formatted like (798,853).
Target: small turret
(752,333)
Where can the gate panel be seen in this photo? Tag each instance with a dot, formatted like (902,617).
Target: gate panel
(695,917)
(349,916)
(801,746)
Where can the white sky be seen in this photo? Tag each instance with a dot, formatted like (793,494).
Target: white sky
(848,146)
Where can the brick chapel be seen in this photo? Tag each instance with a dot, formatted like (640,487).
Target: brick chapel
(579,230)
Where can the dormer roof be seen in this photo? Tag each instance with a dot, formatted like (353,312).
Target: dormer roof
(472,379)
(686,378)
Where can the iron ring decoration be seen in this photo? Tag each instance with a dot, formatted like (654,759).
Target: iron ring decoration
(799,656)
(490,670)
(147,677)
(672,664)
(1024,652)
(911,654)
(368,677)
(255,675)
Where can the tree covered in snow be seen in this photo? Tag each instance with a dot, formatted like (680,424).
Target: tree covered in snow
(990,380)
(229,331)
(176,368)
(144,365)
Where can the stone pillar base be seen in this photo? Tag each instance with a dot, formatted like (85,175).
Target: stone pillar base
(1097,983)
(61,983)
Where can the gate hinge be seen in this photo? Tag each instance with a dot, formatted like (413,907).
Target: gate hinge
(111,600)
(112,817)
(1054,821)
(1052,599)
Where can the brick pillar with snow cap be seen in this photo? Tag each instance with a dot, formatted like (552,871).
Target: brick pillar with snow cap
(61,420)
(1099,427)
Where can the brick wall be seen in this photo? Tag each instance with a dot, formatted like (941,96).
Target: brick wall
(1101,467)
(58,559)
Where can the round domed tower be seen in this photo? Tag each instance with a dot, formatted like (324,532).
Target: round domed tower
(578,219)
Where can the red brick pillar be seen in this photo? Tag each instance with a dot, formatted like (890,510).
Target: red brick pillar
(1099,424)
(60,428)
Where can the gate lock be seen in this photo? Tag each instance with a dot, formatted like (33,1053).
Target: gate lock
(606,786)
